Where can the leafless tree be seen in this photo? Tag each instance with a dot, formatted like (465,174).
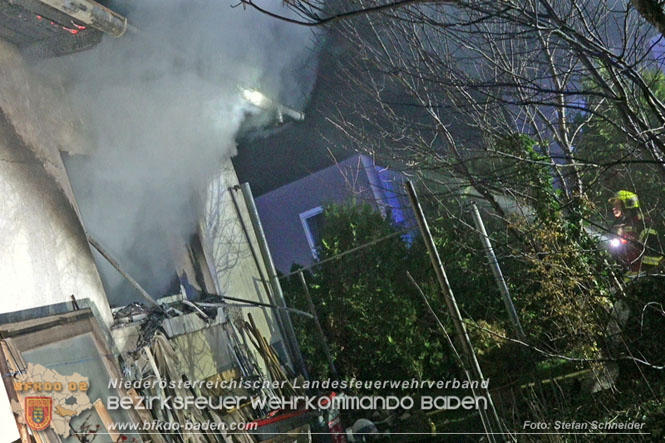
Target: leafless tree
(495,98)
(556,56)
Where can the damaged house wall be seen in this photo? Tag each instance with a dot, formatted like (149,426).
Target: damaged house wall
(164,106)
(45,257)
(155,135)
(229,269)
(237,271)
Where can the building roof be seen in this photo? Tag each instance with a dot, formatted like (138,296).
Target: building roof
(40,30)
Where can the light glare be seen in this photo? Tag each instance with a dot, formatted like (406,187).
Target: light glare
(254,97)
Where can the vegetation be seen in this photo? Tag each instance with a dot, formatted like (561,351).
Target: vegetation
(379,328)
(540,110)
(371,314)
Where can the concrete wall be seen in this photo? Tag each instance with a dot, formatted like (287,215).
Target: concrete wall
(44,255)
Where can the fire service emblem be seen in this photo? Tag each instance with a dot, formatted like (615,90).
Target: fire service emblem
(38,412)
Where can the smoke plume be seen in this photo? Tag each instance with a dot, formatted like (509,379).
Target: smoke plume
(162,107)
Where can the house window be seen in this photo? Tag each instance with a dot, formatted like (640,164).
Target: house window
(312,223)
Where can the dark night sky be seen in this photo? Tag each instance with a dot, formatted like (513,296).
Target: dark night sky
(298,148)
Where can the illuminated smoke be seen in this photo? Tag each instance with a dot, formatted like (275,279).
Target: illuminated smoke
(162,109)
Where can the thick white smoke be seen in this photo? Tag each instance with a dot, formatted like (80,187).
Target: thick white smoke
(162,108)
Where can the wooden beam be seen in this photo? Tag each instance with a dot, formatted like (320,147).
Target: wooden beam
(106,418)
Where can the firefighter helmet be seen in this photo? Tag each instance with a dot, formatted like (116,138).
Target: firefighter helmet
(628,199)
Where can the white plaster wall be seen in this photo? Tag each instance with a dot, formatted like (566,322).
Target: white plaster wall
(234,267)
(44,255)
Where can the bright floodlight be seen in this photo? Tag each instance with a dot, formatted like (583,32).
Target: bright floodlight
(255,97)
(261,101)
(615,243)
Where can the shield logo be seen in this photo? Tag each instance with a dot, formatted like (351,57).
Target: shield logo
(38,412)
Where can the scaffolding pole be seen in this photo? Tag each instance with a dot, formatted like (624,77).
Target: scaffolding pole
(493,425)
(498,275)
(289,332)
(324,342)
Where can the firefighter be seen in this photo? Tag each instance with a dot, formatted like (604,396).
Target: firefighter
(635,245)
